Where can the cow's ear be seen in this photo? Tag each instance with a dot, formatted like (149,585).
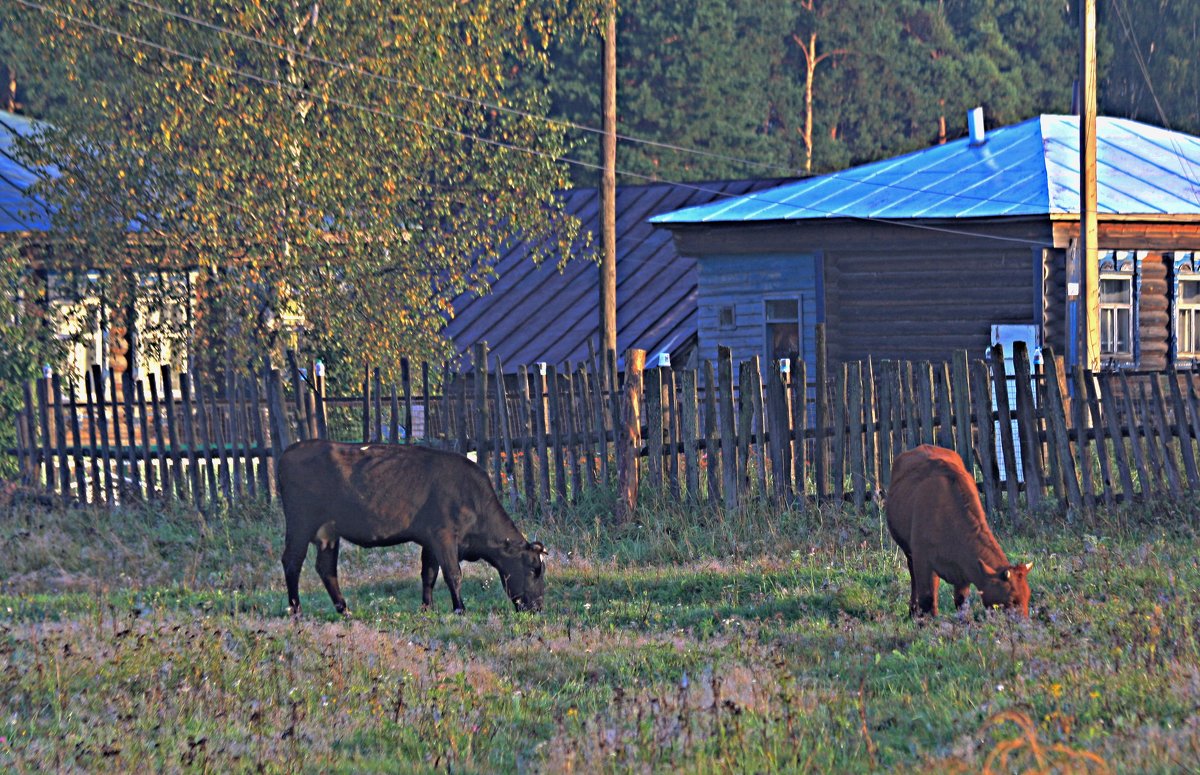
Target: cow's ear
(536,546)
(987,569)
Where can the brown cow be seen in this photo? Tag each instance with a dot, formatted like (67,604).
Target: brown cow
(387,494)
(934,513)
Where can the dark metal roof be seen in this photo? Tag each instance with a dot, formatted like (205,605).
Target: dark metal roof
(18,211)
(538,314)
(1031,168)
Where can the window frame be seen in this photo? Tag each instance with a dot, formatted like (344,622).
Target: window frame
(1192,310)
(770,320)
(1123,265)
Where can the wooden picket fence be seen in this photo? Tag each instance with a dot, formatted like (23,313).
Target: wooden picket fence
(550,435)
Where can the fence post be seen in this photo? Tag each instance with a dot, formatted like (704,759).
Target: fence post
(206,447)
(870,429)
(1031,447)
(406,385)
(281,436)
(654,427)
(43,396)
(838,423)
(365,412)
(627,468)
(854,447)
(1135,430)
(1086,388)
(984,424)
(1183,430)
(779,417)
(758,425)
(541,432)
(480,365)
(60,437)
(945,426)
(1058,418)
(26,439)
(960,387)
(77,440)
(189,438)
(164,473)
(729,455)
(1159,420)
(799,431)
(712,451)
(526,422)
(1004,415)
(502,434)
(821,424)
(554,424)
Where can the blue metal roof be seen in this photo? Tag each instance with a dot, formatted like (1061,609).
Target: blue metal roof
(18,211)
(1031,168)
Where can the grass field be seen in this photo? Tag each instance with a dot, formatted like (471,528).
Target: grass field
(152,638)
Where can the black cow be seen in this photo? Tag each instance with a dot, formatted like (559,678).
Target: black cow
(387,494)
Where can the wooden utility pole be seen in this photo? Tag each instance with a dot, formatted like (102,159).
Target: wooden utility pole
(608,186)
(1089,323)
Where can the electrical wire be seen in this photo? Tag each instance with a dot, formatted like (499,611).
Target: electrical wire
(276,83)
(1127,27)
(791,172)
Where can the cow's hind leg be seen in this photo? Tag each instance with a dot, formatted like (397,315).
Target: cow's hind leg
(429,572)
(925,588)
(327,556)
(446,554)
(294,552)
(912,586)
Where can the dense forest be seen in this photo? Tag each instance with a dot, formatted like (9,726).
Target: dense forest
(712,89)
(731,78)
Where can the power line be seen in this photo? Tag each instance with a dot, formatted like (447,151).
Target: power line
(456,97)
(372,109)
(1127,27)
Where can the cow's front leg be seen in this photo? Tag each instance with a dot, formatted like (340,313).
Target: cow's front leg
(327,556)
(429,571)
(960,596)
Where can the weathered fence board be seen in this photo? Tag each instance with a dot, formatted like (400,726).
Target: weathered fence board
(548,436)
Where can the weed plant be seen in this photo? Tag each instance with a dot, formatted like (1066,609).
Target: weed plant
(154,638)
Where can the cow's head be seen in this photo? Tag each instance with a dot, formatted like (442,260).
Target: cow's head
(1007,587)
(524,574)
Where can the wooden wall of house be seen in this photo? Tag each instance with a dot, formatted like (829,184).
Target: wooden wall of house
(1154,312)
(743,282)
(893,291)
(924,302)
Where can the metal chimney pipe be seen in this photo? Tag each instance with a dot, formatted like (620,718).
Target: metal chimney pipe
(975,126)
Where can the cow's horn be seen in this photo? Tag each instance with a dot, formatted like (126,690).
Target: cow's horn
(1029,566)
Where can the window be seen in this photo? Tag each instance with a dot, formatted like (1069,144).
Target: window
(1188,317)
(726,319)
(1116,315)
(782,329)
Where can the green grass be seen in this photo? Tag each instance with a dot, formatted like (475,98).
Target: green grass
(154,638)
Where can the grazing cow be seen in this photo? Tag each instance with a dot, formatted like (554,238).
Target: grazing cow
(387,494)
(934,513)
